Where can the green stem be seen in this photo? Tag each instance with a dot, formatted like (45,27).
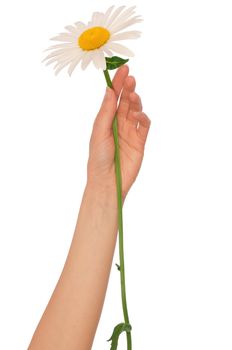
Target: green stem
(120,217)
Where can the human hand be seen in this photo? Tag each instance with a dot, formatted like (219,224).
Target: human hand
(133,127)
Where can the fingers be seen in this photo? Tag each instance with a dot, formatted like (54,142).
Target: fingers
(119,78)
(144,125)
(130,110)
(135,106)
(136,103)
(105,116)
(124,104)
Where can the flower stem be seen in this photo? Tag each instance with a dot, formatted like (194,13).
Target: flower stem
(120,217)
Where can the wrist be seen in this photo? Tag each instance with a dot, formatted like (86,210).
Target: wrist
(105,192)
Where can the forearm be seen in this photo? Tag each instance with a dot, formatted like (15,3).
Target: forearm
(73,312)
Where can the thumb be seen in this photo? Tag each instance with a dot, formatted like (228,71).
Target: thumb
(105,116)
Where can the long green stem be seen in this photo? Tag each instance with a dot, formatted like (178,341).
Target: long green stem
(120,217)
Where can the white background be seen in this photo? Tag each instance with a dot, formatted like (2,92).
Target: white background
(177,216)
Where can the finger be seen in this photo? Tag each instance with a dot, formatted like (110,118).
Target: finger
(105,116)
(119,78)
(136,103)
(135,106)
(144,125)
(124,104)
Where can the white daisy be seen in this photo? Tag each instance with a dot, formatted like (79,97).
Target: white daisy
(86,43)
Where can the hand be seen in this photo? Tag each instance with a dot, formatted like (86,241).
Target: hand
(133,127)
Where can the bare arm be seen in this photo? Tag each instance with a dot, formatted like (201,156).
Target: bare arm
(73,312)
(71,317)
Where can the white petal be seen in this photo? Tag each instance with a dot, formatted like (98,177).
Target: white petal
(67,45)
(59,58)
(51,61)
(128,12)
(86,60)
(121,49)
(100,19)
(73,65)
(114,15)
(60,68)
(118,27)
(62,51)
(79,25)
(102,60)
(71,29)
(64,57)
(53,54)
(97,59)
(107,14)
(94,17)
(107,51)
(67,58)
(97,19)
(133,34)
(64,37)
(125,15)
(62,65)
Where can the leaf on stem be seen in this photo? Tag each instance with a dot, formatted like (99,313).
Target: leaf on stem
(118,267)
(121,327)
(115,62)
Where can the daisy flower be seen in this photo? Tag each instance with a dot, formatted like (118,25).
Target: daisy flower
(83,43)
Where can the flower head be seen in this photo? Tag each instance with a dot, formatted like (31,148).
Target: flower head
(85,43)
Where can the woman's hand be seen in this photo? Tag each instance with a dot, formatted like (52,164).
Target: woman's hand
(71,317)
(133,127)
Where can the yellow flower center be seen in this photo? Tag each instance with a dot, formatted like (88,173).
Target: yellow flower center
(93,38)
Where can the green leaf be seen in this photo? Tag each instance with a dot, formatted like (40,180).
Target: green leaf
(121,327)
(118,267)
(115,62)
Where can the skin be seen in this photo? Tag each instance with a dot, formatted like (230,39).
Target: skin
(71,317)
